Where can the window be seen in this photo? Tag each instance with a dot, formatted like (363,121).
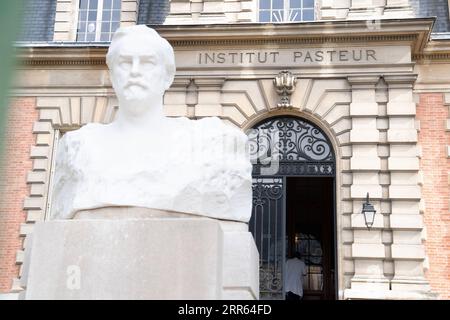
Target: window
(98,19)
(286,10)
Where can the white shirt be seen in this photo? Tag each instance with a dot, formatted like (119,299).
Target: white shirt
(293,281)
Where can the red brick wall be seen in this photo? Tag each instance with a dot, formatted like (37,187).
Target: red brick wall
(435,191)
(13,187)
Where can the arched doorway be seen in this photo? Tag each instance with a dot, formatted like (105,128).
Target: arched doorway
(294,169)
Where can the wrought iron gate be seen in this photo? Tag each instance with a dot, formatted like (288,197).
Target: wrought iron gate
(281,147)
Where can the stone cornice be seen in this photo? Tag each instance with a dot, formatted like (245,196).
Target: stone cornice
(436,50)
(417,31)
(413,32)
(55,55)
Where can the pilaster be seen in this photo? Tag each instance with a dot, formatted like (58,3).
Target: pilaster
(406,220)
(398,9)
(176,102)
(366,9)
(66,19)
(368,250)
(209,97)
(196,12)
(334,9)
(129,12)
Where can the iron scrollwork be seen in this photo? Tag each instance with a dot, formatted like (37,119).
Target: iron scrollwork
(267,229)
(297,146)
(299,149)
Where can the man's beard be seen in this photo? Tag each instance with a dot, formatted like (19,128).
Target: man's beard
(135,93)
(139,99)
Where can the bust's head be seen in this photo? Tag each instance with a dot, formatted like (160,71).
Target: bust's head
(142,67)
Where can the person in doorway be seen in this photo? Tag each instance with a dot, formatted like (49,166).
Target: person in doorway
(293,282)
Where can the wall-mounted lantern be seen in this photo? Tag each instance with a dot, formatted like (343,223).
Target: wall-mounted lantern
(368,211)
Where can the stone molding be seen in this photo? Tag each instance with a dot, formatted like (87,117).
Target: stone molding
(414,32)
(435,50)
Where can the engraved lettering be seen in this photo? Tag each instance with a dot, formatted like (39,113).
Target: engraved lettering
(274,55)
(212,58)
(355,57)
(261,60)
(343,55)
(221,57)
(371,53)
(319,56)
(297,55)
(233,55)
(250,55)
(331,52)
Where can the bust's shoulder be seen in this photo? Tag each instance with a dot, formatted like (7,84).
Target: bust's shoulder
(76,142)
(86,131)
(214,122)
(218,126)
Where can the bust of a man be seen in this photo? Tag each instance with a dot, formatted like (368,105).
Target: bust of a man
(144,159)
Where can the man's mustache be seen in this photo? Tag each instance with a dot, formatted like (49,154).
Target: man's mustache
(135,83)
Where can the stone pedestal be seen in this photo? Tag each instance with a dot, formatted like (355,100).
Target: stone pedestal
(158,258)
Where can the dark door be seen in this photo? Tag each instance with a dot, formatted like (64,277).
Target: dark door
(293,204)
(310,232)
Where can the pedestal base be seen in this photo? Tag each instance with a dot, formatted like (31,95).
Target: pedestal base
(161,258)
(355,294)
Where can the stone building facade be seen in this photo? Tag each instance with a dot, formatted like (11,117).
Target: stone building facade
(372,75)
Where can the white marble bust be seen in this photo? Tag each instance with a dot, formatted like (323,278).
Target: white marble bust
(144,159)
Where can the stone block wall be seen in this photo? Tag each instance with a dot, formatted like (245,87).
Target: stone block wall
(238,11)
(211,11)
(365,9)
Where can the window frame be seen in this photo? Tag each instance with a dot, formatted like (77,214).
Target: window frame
(286,12)
(98,22)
